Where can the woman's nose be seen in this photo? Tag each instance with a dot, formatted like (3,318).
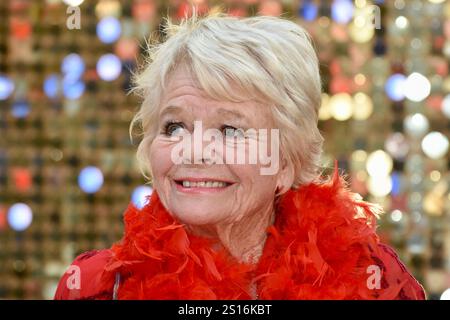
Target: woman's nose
(202,151)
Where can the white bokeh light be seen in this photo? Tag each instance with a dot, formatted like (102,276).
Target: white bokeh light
(109,29)
(397,145)
(341,106)
(379,186)
(325,108)
(435,145)
(342,11)
(90,179)
(6,87)
(445,295)
(140,196)
(416,124)
(445,106)
(401,22)
(73,3)
(363,106)
(379,163)
(109,67)
(417,87)
(396,215)
(20,216)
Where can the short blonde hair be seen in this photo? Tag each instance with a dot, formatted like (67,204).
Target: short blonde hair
(267,58)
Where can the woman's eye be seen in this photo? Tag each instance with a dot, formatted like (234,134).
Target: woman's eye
(173,128)
(232,132)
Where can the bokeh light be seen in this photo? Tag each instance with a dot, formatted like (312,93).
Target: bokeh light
(72,67)
(397,145)
(73,3)
(342,11)
(417,87)
(109,67)
(445,107)
(6,87)
(341,106)
(379,186)
(435,145)
(325,110)
(73,89)
(445,295)
(416,124)
(20,109)
(396,215)
(379,163)
(396,180)
(90,179)
(401,22)
(140,196)
(20,216)
(109,29)
(52,86)
(309,10)
(363,106)
(395,87)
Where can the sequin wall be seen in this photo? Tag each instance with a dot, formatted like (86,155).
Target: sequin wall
(67,165)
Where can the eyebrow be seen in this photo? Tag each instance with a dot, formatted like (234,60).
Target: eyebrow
(170,110)
(221,111)
(232,113)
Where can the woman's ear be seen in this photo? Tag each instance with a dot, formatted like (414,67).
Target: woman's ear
(286,176)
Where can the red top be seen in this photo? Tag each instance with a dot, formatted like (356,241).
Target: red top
(322,245)
(92,264)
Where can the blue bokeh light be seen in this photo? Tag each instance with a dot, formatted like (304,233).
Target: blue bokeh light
(109,30)
(394,87)
(396,183)
(52,86)
(109,67)
(73,89)
(342,11)
(309,10)
(140,196)
(90,179)
(20,109)
(6,87)
(72,67)
(20,216)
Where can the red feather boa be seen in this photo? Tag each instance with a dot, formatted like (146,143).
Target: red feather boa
(319,247)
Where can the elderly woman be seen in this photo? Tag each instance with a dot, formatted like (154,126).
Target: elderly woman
(219,226)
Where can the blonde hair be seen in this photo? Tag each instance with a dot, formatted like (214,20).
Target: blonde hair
(267,58)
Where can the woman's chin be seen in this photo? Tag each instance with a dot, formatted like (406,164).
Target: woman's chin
(197,216)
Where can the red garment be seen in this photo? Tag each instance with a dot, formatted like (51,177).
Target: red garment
(322,245)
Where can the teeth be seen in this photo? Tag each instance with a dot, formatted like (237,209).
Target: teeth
(203,184)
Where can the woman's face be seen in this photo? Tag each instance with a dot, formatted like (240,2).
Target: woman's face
(234,189)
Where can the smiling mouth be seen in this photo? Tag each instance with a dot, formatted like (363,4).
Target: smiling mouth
(206,184)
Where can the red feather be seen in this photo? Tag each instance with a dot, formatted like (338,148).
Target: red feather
(319,247)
